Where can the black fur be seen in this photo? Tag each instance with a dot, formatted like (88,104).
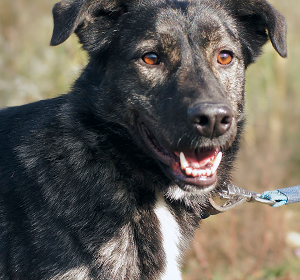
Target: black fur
(78,183)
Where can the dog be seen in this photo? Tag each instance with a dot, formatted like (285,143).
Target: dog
(111,180)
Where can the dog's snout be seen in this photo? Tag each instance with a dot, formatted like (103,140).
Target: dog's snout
(210,119)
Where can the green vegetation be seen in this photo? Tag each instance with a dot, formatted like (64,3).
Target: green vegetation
(246,243)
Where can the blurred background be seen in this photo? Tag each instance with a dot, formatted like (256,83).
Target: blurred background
(251,242)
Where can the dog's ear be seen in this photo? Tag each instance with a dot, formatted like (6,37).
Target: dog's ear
(70,16)
(260,21)
(67,15)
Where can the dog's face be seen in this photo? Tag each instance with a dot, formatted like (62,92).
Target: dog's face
(174,73)
(182,89)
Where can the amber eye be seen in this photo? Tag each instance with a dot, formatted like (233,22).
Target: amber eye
(225,57)
(151,58)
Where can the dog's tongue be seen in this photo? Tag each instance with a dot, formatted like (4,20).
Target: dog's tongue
(199,159)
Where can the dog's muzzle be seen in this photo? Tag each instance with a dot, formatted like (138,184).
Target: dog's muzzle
(194,166)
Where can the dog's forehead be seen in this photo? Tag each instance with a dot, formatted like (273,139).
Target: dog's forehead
(177,29)
(201,20)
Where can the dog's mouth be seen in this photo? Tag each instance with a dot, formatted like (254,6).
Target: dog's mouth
(196,167)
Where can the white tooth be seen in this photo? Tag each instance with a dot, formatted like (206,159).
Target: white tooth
(216,163)
(195,173)
(201,172)
(184,163)
(208,172)
(188,171)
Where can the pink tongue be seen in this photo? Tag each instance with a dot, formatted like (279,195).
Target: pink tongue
(199,159)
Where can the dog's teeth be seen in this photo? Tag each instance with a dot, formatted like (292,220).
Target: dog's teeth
(188,171)
(216,163)
(183,162)
(195,173)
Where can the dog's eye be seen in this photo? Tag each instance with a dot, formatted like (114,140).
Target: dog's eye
(225,57)
(151,58)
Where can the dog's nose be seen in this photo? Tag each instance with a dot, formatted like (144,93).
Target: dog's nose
(210,119)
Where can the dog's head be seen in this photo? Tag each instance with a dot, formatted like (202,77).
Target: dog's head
(172,73)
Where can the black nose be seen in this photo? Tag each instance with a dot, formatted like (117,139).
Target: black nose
(210,119)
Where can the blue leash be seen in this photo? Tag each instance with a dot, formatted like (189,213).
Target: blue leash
(282,196)
(235,196)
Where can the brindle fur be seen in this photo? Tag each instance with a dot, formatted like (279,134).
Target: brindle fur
(78,183)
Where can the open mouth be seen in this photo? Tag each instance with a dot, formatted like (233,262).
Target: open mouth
(196,167)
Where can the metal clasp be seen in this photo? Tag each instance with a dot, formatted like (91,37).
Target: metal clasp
(234,197)
(249,196)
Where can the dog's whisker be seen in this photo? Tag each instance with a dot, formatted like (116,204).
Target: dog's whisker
(185,135)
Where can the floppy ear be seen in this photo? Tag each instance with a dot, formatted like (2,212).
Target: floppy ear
(67,16)
(260,21)
(70,16)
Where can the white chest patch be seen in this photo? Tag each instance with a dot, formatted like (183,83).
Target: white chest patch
(171,237)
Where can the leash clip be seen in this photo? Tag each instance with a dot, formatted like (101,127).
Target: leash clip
(236,196)
(249,196)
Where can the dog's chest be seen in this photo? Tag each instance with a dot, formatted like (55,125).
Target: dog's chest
(170,233)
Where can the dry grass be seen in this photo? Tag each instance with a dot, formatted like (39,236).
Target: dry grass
(247,243)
